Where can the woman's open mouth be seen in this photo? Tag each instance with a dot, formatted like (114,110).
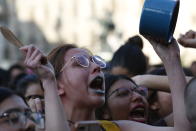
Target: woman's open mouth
(96,85)
(138,114)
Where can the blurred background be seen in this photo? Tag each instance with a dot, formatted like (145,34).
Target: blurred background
(99,25)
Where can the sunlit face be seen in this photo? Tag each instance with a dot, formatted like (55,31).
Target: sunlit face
(84,86)
(126,105)
(14,104)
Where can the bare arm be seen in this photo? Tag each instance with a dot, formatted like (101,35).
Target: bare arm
(156,82)
(55,117)
(177,82)
(54,114)
(170,56)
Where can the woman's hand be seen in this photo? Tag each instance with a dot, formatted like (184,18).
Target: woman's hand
(33,61)
(166,51)
(188,39)
(170,55)
(36,105)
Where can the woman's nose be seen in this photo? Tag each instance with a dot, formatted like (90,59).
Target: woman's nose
(30,126)
(95,68)
(136,97)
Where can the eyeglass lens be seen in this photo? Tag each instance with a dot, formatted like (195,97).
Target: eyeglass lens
(99,61)
(19,119)
(82,60)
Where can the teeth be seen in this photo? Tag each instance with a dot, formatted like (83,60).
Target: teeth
(139,109)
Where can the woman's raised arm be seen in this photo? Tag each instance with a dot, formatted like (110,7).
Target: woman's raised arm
(54,115)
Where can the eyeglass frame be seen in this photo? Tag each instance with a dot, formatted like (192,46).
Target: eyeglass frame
(133,89)
(91,60)
(28,115)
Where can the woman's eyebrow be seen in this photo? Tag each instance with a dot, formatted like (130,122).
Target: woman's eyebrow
(16,109)
(13,110)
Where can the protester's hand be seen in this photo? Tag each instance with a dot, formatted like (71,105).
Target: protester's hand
(166,51)
(32,61)
(188,39)
(36,105)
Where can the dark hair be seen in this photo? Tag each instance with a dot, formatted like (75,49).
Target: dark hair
(135,40)
(5,93)
(56,57)
(16,66)
(24,82)
(109,81)
(14,82)
(4,78)
(131,57)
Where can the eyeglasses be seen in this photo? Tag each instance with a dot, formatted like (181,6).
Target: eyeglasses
(83,61)
(18,119)
(124,92)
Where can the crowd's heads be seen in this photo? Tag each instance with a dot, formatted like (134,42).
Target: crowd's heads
(190,104)
(4,78)
(160,103)
(124,100)
(129,59)
(15,70)
(79,76)
(12,112)
(29,86)
(14,82)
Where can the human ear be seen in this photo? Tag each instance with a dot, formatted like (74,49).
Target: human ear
(60,90)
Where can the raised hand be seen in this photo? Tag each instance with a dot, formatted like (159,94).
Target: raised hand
(55,115)
(166,51)
(170,56)
(36,105)
(32,60)
(188,39)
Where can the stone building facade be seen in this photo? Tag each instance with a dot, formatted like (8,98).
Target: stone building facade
(100,25)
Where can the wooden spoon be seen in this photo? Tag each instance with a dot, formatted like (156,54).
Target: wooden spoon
(8,35)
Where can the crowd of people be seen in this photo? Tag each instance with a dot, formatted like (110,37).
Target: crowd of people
(76,88)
